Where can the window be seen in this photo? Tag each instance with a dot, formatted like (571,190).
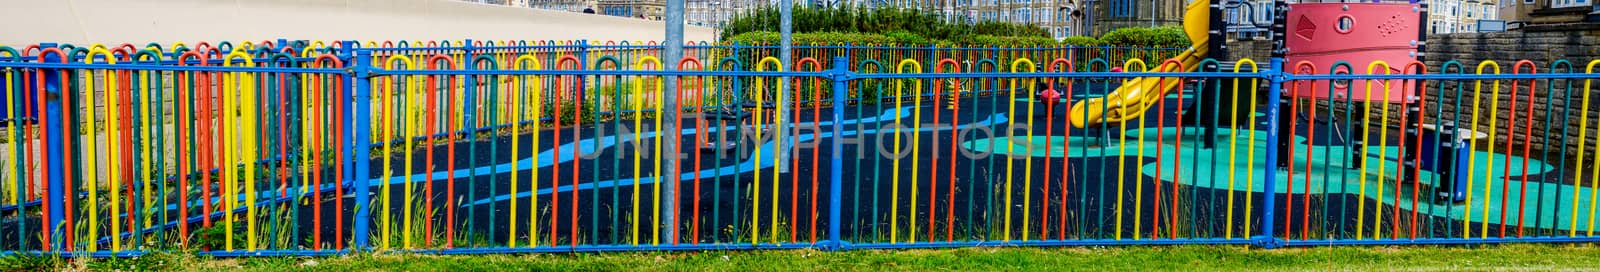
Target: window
(1122,8)
(1265,14)
(1568,3)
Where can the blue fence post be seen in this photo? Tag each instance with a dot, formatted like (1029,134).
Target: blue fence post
(360,139)
(839,74)
(1275,80)
(468,105)
(933,61)
(583,64)
(466,54)
(849,53)
(52,111)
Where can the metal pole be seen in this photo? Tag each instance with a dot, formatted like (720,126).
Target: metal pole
(1217,49)
(1275,74)
(55,149)
(713,18)
(836,151)
(785,41)
(1268,203)
(1415,113)
(361,115)
(670,100)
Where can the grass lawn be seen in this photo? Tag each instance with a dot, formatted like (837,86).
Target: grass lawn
(1530,257)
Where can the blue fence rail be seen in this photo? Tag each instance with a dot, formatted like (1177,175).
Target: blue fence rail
(457,148)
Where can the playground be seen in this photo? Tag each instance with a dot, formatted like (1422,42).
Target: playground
(307,147)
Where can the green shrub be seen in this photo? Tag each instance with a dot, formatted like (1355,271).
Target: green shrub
(847,19)
(1132,37)
(999,41)
(764,37)
(903,37)
(1025,41)
(215,237)
(1166,36)
(1081,41)
(750,38)
(993,28)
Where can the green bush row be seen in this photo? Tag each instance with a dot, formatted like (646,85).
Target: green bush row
(861,25)
(1161,37)
(850,19)
(831,38)
(1165,36)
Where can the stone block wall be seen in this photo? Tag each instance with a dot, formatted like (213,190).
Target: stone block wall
(1550,98)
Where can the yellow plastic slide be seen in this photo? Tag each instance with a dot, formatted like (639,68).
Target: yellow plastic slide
(1138,94)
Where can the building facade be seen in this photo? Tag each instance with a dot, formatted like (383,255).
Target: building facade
(1250,19)
(1040,13)
(1550,13)
(1062,18)
(1108,15)
(1460,16)
(560,5)
(641,9)
(715,13)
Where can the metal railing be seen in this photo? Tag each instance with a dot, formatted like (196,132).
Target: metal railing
(455,148)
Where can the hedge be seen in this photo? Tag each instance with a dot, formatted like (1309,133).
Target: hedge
(1081,41)
(906,37)
(1166,36)
(847,19)
(764,37)
(1125,37)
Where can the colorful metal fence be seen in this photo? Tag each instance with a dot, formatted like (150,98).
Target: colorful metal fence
(307,148)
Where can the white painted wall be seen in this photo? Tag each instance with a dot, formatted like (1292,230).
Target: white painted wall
(190,21)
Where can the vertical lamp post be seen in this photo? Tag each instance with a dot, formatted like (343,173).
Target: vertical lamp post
(785,41)
(674,53)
